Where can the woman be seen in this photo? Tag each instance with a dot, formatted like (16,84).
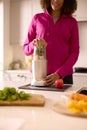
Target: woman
(58,30)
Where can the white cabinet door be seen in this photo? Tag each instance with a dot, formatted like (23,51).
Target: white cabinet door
(36,7)
(80,79)
(81,13)
(22,12)
(20,18)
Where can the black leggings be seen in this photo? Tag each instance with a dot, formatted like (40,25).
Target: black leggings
(68,79)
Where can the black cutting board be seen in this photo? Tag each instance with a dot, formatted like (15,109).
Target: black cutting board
(45,88)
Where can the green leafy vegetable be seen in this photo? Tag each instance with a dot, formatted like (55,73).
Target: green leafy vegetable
(11,94)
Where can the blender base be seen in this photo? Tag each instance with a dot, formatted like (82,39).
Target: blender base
(37,82)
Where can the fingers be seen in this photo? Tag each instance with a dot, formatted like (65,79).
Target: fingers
(50,79)
(40,43)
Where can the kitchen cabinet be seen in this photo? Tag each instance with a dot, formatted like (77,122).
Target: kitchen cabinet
(19,19)
(80,13)
(22,12)
(80,79)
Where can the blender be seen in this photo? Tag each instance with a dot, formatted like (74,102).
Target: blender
(39,66)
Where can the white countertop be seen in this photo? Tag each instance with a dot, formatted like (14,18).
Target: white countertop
(38,118)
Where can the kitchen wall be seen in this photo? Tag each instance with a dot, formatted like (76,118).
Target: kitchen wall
(1,35)
(6,54)
(13,48)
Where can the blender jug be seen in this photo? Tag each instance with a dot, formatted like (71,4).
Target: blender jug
(39,66)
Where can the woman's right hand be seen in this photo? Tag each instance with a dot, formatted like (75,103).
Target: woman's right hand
(50,79)
(40,43)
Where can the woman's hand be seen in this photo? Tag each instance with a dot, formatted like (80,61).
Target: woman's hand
(50,79)
(40,43)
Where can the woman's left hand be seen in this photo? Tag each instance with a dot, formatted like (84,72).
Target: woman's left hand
(50,79)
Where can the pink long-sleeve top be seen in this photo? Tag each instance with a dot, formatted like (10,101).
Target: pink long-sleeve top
(62,39)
